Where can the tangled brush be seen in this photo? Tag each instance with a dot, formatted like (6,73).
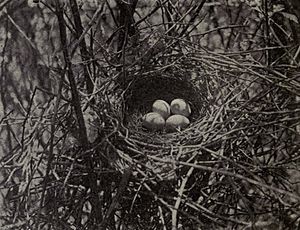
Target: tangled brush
(234,167)
(77,155)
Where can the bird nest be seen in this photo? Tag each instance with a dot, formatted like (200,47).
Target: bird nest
(144,90)
(228,168)
(232,166)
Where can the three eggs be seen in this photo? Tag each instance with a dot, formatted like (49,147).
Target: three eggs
(173,117)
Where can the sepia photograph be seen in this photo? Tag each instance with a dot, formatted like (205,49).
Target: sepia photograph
(149,115)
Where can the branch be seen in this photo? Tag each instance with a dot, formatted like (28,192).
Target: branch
(75,96)
(116,200)
(3,4)
(82,45)
(192,20)
(126,21)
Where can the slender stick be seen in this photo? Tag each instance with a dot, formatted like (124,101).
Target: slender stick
(267,31)
(82,45)
(75,96)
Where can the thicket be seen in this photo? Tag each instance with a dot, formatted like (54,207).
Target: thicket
(76,77)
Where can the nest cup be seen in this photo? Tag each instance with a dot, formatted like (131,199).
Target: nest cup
(137,146)
(144,90)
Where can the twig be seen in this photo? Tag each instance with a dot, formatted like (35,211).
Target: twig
(88,27)
(3,4)
(117,198)
(193,18)
(75,97)
(267,31)
(82,45)
(179,197)
(227,173)
(51,145)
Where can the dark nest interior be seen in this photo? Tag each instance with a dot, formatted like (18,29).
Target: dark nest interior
(144,90)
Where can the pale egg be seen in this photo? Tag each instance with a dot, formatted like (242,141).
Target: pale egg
(177,122)
(153,121)
(162,107)
(181,107)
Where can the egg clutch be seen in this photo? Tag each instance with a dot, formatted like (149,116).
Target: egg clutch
(172,117)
